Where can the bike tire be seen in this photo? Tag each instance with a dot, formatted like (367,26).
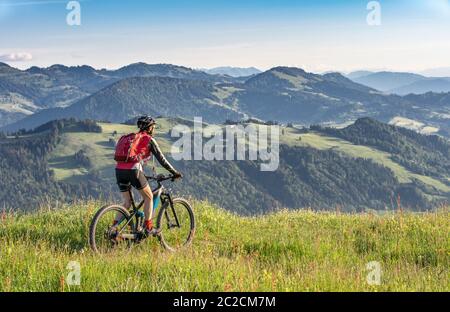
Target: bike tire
(159,223)
(95,221)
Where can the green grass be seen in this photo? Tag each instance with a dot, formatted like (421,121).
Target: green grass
(286,251)
(296,81)
(323,142)
(62,162)
(225,92)
(97,148)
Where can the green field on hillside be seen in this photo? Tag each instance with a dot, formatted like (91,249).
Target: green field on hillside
(97,148)
(286,251)
(101,152)
(322,142)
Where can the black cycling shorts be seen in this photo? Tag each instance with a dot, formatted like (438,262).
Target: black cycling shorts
(126,178)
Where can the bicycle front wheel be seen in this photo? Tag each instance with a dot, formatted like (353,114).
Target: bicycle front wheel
(177,224)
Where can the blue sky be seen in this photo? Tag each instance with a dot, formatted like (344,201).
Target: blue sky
(318,35)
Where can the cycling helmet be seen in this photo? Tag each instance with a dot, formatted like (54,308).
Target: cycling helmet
(145,122)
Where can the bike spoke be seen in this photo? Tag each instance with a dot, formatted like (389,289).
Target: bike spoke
(176,235)
(109,237)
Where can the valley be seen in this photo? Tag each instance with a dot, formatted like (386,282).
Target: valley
(317,170)
(99,149)
(360,164)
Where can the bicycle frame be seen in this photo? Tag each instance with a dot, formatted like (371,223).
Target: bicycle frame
(159,194)
(156,198)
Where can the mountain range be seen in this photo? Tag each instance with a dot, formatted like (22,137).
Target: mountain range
(24,92)
(283,94)
(401,83)
(233,71)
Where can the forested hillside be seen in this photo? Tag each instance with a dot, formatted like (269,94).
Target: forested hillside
(307,178)
(26,180)
(24,92)
(428,155)
(151,95)
(320,168)
(284,94)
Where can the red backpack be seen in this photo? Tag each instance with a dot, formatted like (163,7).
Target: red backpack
(133,147)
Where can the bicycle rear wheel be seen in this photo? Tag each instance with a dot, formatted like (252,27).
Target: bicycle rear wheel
(103,237)
(177,225)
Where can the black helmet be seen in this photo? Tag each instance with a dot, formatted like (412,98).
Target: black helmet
(145,122)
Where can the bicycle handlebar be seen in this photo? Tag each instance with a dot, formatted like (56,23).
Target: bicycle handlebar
(160,178)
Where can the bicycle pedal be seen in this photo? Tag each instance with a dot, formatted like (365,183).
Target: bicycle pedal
(157,233)
(154,232)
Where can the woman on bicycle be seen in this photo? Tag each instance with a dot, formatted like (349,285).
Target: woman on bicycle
(131,173)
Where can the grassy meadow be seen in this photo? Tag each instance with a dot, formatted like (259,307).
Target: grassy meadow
(100,151)
(285,251)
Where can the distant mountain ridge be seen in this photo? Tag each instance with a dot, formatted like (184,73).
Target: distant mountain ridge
(233,71)
(299,95)
(283,94)
(401,83)
(24,92)
(358,74)
(130,97)
(438,85)
(385,81)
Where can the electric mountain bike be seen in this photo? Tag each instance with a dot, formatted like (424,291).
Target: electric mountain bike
(175,222)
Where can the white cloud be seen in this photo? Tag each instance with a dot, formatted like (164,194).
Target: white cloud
(16,57)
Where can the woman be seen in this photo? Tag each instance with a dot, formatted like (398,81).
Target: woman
(130,171)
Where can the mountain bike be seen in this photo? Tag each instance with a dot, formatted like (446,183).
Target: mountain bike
(175,222)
